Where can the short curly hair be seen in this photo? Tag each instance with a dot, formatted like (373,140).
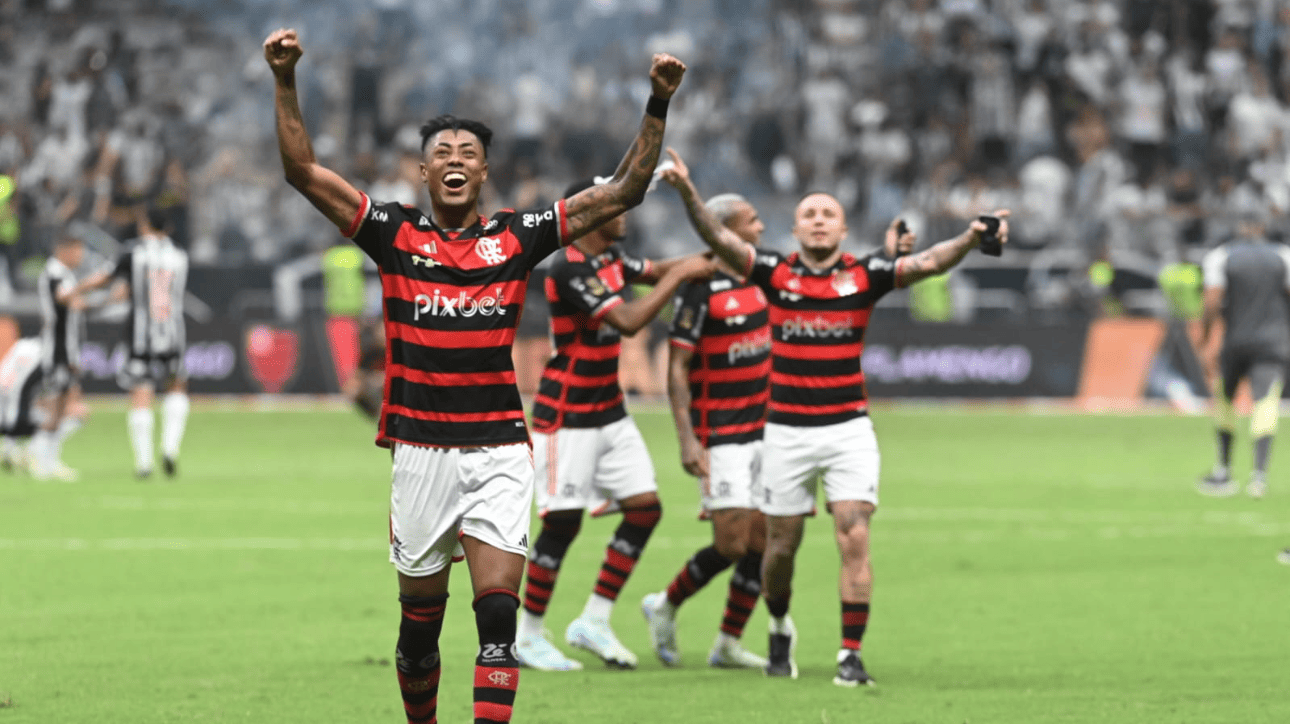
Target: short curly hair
(446,122)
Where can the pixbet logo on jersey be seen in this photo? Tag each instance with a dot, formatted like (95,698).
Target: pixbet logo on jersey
(751,346)
(818,327)
(441,305)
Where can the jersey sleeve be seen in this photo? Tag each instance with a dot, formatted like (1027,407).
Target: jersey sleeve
(763,267)
(541,231)
(578,284)
(1214,268)
(635,267)
(881,272)
(374,227)
(689,309)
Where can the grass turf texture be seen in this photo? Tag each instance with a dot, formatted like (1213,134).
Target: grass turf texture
(1029,568)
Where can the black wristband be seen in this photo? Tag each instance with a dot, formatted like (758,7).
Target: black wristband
(656,107)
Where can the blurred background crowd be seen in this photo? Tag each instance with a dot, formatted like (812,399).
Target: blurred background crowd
(1127,135)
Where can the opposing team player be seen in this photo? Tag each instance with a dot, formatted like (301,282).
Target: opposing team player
(454,286)
(718,383)
(586,449)
(20,378)
(818,426)
(155,272)
(62,328)
(1247,286)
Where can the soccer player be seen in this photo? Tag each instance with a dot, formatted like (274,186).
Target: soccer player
(586,449)
(818,426)
(155,271)
(61,311)
(718,382)
(20,378)
(1246,285)
(454,286)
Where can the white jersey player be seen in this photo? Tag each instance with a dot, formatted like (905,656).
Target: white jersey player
(20,379)
(62,327)
(156,272)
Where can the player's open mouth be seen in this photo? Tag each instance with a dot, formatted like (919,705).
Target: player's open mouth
(454,180)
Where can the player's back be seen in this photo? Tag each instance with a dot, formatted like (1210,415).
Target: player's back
(1256,306)
(60,324)
(157,271)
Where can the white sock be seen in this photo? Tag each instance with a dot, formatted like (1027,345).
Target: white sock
(780,625)
(174,417)
(598,607)
(140,421)
(68,426)
(43,452)
(530,626)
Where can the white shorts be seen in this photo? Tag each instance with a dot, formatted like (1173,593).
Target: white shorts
(844,455)
(734,477)
(438,495)
(591,468)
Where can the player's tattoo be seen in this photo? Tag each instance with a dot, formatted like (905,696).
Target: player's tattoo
(723,241)
(594,206)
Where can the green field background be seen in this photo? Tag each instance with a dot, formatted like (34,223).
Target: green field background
(1029,568)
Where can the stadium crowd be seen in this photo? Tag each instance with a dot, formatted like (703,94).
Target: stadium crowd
(1127,130)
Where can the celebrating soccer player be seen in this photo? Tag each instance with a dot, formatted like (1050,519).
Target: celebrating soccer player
(586,449)
(62,329)
(818,425)
(718,382)
(454,288)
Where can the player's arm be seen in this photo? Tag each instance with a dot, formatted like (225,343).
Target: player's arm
(678,395)
(725,243)
(592,207)
(631,317)
(940,258)
(332,195)
(658,268)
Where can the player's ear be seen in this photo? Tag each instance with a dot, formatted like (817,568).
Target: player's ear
(425,178)
(483,176)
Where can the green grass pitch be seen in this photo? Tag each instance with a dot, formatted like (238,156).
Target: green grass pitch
(1029,568)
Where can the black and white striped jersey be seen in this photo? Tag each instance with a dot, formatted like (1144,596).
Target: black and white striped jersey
(61,326)
(157,272)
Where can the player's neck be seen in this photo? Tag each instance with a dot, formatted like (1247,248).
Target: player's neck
(455,217)
(818,259)
(593,244)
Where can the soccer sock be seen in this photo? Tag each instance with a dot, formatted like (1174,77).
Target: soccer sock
(68,427)
(497,671)
(855,616)
(620,558)
(417,656)
(174,418)
(140,421)
(41,442)
(702,567)
(745,588)
(1224,451)
(1262,451)
(778,609)
(558,531)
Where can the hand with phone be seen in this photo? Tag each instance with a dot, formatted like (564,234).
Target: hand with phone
(992,232)
(900,240)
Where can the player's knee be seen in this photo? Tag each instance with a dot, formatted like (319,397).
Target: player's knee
(562,526)
(731,541)
(644,516)
(495,615)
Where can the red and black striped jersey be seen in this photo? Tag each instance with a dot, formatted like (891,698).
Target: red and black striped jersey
(579,386)
(726,323)
(453,300)
(818,321)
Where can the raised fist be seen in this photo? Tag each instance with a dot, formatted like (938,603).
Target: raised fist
(665,75)
(282,50)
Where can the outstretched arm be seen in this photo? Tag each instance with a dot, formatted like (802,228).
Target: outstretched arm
(592,207)
(734,251)
(631,317)
(944,256)
(325,189)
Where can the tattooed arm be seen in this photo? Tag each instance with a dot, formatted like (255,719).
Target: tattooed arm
(734,251)
(944,256)
(325,189)
(589,209)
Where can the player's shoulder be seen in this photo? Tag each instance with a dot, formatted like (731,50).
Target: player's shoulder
(771,258)
(871,262)
(524,219)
